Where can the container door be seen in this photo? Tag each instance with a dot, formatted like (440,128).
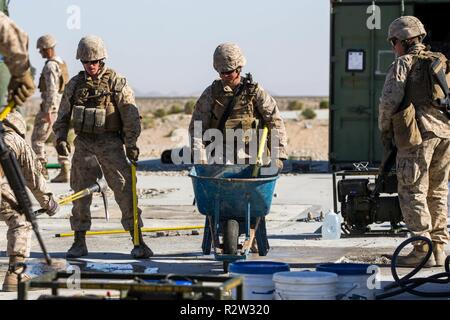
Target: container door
(360,58)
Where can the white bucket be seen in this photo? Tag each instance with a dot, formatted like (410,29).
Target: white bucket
(258,283)
(305,285)
(353,279)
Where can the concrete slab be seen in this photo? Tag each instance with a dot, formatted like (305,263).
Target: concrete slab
(292,241)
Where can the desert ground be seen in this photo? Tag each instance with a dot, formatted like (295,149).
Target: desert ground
(165,124)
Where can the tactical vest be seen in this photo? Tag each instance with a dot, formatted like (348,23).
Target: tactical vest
(244,116)
(94,105)
(422,88)
(63,77)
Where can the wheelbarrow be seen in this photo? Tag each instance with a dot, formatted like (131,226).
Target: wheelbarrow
(234,204)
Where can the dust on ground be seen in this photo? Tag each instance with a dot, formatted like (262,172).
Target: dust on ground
(368,259)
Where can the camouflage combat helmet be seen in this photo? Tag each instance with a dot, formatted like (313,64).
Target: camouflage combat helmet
(45,42)
(406,27)
(228,57)
(91,48)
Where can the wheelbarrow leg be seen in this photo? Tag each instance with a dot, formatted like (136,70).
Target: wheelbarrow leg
(207,240)
(261,238)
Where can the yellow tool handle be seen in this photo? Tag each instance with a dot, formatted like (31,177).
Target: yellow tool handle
(106,232)
(262,142)
(73,197)
(135,209)
(6,110)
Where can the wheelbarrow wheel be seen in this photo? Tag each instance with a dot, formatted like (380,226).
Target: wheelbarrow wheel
(230,239)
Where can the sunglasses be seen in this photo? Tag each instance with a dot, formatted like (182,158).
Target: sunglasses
(393,42)
(90,62)
(227,73)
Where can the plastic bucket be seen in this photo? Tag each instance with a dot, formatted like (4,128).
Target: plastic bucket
(258,283)
(352,279)
(305,285)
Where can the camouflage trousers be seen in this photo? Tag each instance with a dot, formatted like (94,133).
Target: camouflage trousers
(42,130)
(109,153)
(19,229)
(423,187)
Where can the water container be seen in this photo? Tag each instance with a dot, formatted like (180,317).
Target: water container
(331,227)
(258,283)
(305,285)
(353,279)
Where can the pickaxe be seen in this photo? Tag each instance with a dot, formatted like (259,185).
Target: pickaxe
(99,186)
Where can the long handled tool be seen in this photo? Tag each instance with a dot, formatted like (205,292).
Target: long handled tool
(16,180)
(259,159)
(99,186)
(108,232)
(136,240)
(6,110)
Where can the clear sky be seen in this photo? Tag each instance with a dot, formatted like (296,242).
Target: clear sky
(165,47)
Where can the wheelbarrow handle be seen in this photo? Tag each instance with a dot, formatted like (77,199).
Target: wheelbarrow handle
(262,143)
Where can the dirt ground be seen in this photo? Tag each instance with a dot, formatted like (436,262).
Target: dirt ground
(307,139)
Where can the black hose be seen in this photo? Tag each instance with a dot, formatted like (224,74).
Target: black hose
(408,284)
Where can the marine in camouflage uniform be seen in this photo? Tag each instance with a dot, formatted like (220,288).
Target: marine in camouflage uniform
(252,109)
(53,78)
(422,170)
(14,48)
(103,109)
(19,229)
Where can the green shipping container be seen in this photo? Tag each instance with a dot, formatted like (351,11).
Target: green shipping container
(360,56)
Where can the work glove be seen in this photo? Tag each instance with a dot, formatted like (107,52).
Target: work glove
(132,153)
(52,207)
(63,148)
(21,88)
(279,164)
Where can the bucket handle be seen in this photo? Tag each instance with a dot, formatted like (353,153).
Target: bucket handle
(279,294)
(267,292)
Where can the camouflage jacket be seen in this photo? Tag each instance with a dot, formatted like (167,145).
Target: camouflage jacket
(429,119)
(51,76)
(29,164)
(13,46)
(123,100)
(265,105)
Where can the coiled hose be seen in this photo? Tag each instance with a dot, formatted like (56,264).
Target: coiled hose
(409,284)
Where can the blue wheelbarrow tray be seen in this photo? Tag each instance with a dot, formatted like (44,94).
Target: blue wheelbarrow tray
(225,192)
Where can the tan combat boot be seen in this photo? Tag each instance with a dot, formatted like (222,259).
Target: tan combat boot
(78,248)
(413,259)
(63,175)
(439,254)
(142,251)
(11,278)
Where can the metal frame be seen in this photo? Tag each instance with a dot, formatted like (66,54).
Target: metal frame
(344,174)
(124,282)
